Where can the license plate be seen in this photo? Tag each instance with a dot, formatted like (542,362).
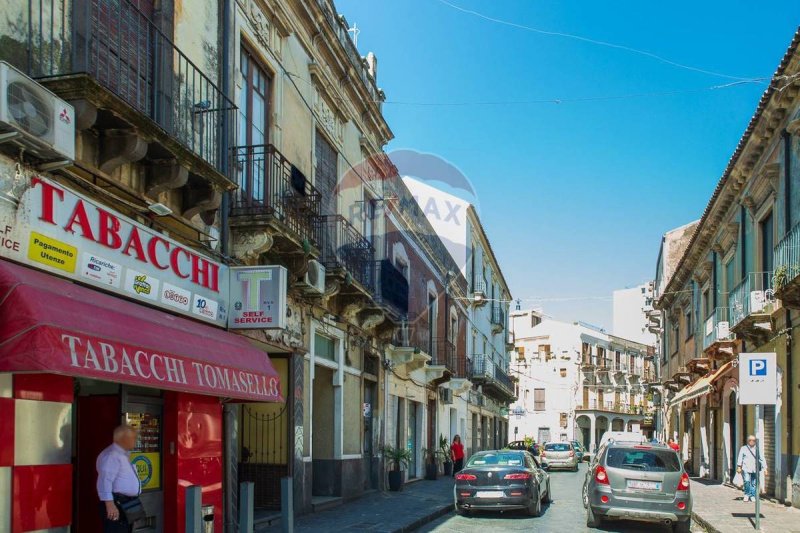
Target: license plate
(644,485)
(489,494)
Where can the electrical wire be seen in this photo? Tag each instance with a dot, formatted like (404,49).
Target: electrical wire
(756,81)
(595,42)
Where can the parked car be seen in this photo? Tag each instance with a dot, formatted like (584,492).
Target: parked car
(559,455)
(533,448)
(579,450)
(633,437)
(501,480)
(641,482)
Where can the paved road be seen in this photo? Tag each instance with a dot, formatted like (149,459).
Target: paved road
(564,515)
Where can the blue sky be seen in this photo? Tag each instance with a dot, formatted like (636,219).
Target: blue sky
(575,195)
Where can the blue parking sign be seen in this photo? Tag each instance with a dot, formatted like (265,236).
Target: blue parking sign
(758,378)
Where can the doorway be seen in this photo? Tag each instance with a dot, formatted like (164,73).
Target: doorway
(412,439)
(147,418)
(369,450)
(732,423)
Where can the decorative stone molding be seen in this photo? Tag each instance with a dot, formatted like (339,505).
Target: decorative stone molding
(749,203)
(165,176)
(120,147)
(371,318)
(85,114)
(248,245)
(201,199)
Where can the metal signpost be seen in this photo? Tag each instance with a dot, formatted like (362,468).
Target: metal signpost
(758,385)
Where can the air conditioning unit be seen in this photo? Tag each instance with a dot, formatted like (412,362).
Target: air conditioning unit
(757,301)
(314,280)
(446,395)
(34,118)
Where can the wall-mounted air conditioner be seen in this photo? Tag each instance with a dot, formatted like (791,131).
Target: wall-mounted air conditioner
(33,118)
(314,280)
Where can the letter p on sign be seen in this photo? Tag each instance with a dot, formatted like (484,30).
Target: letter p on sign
(758,367)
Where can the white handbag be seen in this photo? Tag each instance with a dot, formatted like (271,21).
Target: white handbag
(738,480)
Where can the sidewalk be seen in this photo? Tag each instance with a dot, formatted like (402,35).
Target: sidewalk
(385,512)
(720,509)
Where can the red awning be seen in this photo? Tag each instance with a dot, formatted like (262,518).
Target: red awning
(51,325)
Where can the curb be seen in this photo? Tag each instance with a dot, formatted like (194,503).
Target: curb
(430,517)
(705,523)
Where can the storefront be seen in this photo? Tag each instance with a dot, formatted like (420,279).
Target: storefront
(75,362)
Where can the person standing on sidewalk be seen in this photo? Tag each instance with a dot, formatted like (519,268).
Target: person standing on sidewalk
(674,445)
(457,454)
(746,464)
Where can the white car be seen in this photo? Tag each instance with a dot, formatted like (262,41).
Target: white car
(628,437)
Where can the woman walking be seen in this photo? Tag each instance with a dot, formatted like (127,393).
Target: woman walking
(457,454)
(746,465)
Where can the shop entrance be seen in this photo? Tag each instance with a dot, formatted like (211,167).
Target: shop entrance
(146,458)
(101,407)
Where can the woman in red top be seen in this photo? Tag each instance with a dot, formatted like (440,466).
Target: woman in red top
(674,445)
(457,454)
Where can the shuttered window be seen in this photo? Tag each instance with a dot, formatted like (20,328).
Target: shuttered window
(538,399)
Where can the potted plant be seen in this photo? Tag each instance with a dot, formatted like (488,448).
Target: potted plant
(433,458)
(444,449)
(396,459)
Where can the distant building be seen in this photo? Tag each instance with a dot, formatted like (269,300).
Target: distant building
(576,382)
(629,319)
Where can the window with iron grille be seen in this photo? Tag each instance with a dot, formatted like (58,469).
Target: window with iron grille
(538,399)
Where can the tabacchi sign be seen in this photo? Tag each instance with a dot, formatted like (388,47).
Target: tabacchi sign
(58,230)
(119,362)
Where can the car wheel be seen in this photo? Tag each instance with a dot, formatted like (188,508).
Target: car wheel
(461,511)
(535,508)
(592,520)
(682,527)
(547,497)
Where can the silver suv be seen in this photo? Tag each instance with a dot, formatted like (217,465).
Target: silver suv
(637,482)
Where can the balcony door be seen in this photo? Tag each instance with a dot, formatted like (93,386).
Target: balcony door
(767,251)
(253,132)
(327,173)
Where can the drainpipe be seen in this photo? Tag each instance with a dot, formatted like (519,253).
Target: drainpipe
(231,412)
(227,88)
(787,218)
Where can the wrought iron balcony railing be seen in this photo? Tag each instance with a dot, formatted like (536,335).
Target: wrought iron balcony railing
(414,333)
(483,368)
(343,247)
(717,327)
(751,296)
(391,287)
(269,184)
(498,316)
(787,265)
(124,52)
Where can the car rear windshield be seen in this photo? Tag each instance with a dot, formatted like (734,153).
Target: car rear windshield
(497,459)
(643,459)
(558,447)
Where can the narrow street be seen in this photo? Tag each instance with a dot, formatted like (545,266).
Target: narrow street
(564,514)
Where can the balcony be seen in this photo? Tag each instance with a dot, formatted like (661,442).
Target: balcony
(751,305)
(391,289)
(273,193)
(411,346)
(479,292)
(445,355)
(346,253)
(498,318)
(611,407)
(718,341)
(495,381)
(787,269)
(126,76)
(620,368)
(682,376)
(588,362)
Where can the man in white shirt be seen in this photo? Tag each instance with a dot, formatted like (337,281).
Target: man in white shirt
(117,480)
(746,464)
